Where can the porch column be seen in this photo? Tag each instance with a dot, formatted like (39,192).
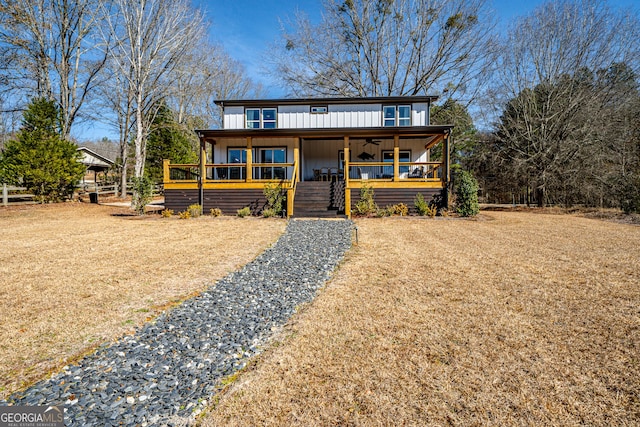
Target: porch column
(249,172)
(203,171)
(345,173)
(296,158)
(396,157)
(446,178)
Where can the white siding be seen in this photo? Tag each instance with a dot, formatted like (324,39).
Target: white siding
(233,118)
(338,116)
(420,114)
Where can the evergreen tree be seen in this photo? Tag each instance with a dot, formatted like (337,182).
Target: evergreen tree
(168,140)
(39,158)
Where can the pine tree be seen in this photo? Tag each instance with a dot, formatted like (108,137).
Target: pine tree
(39,158)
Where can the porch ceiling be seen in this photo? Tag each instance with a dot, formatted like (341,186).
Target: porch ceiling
(375,132)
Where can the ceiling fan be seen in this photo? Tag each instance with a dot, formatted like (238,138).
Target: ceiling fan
(372,141)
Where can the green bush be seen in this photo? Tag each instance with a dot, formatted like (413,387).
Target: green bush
(422,207)
(142,193)
(194,210)
(269,213)
(366,205)
(246,211)
(467,195)
(275,198)
(215,212)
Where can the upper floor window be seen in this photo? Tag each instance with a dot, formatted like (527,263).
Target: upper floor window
(264,118)
(396,115)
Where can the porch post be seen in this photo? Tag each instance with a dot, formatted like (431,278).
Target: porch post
(249,172)
(446,178)
(396,157)
(165,170)
(345,173)
(296,158)
(203,171)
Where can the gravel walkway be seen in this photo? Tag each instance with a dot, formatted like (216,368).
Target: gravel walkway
(171,368)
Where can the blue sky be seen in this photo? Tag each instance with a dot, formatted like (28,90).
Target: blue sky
(246,29)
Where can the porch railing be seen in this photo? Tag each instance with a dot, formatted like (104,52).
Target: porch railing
(407,171)
(229,172)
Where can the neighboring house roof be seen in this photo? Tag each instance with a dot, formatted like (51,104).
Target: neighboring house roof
(327,101)
(93,160)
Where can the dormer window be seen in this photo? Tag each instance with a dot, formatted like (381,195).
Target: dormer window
(396,115)
(264,118)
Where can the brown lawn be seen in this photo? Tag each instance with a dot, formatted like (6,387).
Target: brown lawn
(73,276)
(512,319)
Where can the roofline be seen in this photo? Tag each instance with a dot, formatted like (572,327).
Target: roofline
(327,101)
(375,132)
(98,156)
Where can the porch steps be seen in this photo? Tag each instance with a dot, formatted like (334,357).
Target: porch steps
(313,200)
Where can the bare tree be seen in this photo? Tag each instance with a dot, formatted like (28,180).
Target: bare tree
(204,75)
(550,93)
(149,39)
(50,50)
(387,47)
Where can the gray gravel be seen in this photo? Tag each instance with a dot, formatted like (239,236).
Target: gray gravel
(168,370)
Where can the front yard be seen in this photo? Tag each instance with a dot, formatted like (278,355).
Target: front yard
(512,319)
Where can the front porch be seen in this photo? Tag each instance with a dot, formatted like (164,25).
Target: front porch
(236,165)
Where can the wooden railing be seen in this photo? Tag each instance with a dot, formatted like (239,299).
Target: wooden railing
(407,171)
(16,195)
(229,172)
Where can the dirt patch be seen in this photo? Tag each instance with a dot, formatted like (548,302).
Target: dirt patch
(527,319)
(75,275)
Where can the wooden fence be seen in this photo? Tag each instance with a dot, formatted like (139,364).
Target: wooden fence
(16,196)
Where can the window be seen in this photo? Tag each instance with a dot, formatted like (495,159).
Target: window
(269,118)
(236,155)
(317,109)
(389,114)
(404,115)
(387,157)
(273,155)
(396,115)
(257,118)
(253,118)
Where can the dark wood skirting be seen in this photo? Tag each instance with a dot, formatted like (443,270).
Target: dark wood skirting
(229,201)
(392,196)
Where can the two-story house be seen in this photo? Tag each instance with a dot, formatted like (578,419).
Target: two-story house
(321,151)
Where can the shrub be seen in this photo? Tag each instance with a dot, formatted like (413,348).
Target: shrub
(275,197)
(399,209)
(167,213)
(194,210)
(382,212)
(215,212)
(422,207)
(142,193)
(366,205)
(246,211)
(467,195)
(184,215)
(269,213)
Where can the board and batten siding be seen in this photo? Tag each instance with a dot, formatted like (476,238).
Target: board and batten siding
(338,116)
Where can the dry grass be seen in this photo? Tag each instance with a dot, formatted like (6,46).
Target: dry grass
(73,276)
(513,319)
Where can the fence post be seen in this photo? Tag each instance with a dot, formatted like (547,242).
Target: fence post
(115,189)
(5,195)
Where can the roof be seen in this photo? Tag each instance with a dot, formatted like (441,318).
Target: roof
(327,101)
(369,132)
(91,158)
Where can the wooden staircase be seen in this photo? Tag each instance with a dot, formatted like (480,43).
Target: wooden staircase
(318,199)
